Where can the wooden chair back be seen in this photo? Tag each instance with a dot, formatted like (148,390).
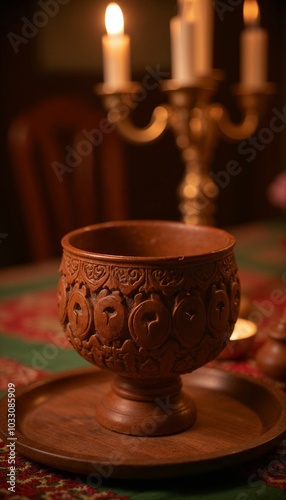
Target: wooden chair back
(69,168)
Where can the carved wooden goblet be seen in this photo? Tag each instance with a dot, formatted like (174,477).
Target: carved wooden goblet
(149,300)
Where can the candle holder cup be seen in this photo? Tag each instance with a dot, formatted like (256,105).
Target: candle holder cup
(241,341)
(150,301)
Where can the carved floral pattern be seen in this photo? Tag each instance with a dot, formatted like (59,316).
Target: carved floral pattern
(166,280)
(148,321)
(127,279)
(95,275)
(204,272)
(70,268)
(227,266)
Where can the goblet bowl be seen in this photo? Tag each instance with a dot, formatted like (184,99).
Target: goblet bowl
(148,300)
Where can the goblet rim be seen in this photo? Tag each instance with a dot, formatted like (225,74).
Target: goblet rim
(180,259)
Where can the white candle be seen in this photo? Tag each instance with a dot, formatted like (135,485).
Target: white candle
(183,31)
(116,48)
(254,45)
(204,16)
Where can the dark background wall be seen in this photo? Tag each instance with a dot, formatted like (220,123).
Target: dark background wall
(64,57)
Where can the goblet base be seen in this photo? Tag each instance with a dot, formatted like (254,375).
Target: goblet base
(146,407)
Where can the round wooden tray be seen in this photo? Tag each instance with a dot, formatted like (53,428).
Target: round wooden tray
(238,419)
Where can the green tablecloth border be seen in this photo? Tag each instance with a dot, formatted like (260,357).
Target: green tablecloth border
(17,289)
(40,355)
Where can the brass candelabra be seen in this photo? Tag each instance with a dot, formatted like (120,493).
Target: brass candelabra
(197,124)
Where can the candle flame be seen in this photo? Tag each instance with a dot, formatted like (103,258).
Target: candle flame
(114,20)
(251,12)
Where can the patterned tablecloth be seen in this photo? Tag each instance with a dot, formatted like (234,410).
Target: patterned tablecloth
(32,345)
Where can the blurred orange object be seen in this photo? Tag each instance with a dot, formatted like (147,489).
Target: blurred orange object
(240,341)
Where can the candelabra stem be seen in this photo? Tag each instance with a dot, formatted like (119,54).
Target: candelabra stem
(197,191)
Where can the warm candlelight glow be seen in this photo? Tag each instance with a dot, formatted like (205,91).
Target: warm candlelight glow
(254,45)
(116,48)
(186,9)
(241,340)
(114,20)
(251,13)
(243,329)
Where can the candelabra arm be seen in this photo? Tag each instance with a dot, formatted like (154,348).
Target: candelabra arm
(230,130)
(254,104)
(144,135)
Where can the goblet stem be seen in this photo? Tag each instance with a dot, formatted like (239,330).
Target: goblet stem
(148,407)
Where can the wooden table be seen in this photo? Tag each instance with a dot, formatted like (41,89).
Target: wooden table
(33,346)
